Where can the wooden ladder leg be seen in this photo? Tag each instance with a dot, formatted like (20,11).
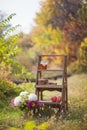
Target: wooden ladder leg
(38,94)
(41,95)
(63,100)
(66,99)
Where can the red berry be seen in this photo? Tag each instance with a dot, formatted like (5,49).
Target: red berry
(54,99)
(59,99)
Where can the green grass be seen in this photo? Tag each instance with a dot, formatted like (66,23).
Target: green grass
(74,119)
(10,116)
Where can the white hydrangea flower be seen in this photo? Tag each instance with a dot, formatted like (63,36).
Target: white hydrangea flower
(17,101)
(23,94)
(32,97)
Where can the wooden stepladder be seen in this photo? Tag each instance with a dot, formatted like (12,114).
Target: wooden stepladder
(47,82)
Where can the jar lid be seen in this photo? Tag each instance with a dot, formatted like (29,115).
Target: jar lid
(43,62)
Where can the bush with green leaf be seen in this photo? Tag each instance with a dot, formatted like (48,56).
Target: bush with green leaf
(82,57)
(31,125)
(73,67)
(7,90)
(8,45)
(81,64)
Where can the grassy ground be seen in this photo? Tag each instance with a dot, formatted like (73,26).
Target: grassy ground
(74,119)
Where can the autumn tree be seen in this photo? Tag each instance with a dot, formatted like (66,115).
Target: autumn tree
(44,35)
(66,15)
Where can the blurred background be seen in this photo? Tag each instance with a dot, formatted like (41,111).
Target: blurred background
(29,28)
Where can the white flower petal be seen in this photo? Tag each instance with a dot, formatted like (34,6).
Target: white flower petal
(24,93)
(32,97)
(17,101)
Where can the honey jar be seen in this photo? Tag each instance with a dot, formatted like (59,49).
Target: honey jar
(43,65)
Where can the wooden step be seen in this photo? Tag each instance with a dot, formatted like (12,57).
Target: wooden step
(50,103)
(49,87)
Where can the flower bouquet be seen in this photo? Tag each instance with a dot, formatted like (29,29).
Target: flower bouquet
(26,101)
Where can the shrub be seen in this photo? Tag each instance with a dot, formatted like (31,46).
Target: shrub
(7,90)
(81,64)
(82,56)
(73,67)
(31,125)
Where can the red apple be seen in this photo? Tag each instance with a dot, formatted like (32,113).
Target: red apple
(54,99)
(59,99)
